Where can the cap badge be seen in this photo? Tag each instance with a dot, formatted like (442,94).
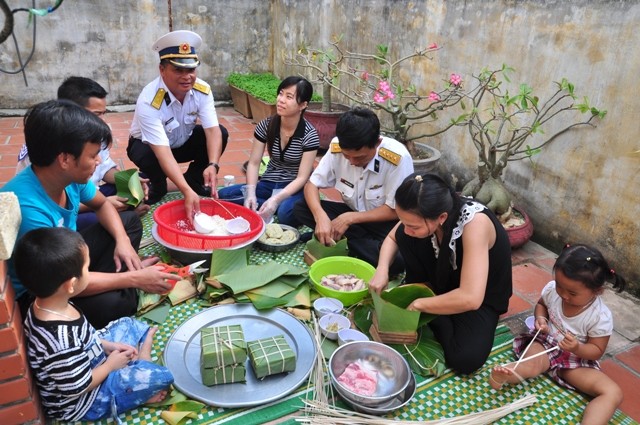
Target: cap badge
(184,48)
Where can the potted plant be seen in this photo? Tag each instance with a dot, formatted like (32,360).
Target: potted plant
(507,126)
(239,96)
(374,80)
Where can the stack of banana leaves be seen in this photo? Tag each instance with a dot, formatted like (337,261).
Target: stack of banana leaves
(232,279)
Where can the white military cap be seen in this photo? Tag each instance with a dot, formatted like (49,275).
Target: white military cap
(179,48)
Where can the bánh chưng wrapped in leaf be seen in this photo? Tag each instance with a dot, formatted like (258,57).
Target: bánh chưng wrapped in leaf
(222,346)
(223,375)
(270,356)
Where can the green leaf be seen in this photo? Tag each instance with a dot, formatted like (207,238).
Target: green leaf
(251,277)
(128,186)
(224,261)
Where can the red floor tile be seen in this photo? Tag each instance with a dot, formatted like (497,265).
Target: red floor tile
(528,281)
(631,358)
(629,383)
(517,305)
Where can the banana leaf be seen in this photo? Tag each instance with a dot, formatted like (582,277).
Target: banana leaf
(275,289)
(263,302)
(318,250)
(251,277)
(295,270)
(300,297)
(183,290)
(294,281)
(225,261)
(390,308)
(128,186)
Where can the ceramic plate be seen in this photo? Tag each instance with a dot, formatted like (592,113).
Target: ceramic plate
(182,355)
(280,248)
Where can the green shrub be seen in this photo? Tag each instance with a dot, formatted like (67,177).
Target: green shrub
(261,86)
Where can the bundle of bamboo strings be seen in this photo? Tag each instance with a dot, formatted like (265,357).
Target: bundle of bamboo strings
(326,414)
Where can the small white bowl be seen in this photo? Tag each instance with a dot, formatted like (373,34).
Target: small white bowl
(531,322)
(237,225)
(203,223)
(350,335)
(325,305)
(331,324)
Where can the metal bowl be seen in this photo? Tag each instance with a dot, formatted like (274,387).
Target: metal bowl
(393,372)
(397,402)
(279,248)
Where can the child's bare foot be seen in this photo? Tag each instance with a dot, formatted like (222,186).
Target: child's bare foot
(145,349)
(499,376)
(157,398)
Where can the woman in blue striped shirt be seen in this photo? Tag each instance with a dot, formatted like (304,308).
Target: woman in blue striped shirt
(292,144)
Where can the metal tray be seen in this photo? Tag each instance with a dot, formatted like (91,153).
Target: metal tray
(279,248)
(182,355)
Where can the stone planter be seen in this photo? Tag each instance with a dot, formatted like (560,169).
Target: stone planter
(240,100)
(324,122)
(426,165)
(260,110)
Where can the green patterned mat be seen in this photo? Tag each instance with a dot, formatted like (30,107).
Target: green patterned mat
(447,396)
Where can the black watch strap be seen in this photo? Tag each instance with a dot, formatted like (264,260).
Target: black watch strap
(216,166)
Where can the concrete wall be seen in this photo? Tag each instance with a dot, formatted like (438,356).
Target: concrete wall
(110,41)
(584,187)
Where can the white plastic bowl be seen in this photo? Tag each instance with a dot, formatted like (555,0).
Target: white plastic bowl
(203,223)
(237,225)
(531,322)
(333,320)
(325,305)
(350,335)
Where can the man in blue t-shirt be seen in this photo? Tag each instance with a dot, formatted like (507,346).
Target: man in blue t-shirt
(64,140)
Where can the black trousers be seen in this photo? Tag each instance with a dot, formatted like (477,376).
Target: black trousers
(193,151)
(100,309)
(363,240)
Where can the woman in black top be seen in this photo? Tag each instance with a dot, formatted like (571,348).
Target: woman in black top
(460,249)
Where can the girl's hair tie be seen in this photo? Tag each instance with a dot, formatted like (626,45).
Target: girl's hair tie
(588,258)
(613,272)
(418,178)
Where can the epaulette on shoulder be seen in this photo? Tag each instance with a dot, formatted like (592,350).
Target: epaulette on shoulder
(158,98)
(390,156)
(335,148)
(202,87)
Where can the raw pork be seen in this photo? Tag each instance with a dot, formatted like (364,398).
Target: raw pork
(359,379)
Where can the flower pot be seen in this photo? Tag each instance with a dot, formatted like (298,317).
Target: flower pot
(428,164)
(240,101)
(519,235)
(260,110)
(324,122)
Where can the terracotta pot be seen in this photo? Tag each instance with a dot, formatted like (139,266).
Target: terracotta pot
(240,100)
(519,235)
(260,110)
(324,122)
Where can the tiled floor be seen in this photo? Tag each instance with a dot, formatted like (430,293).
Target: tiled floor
(531,264)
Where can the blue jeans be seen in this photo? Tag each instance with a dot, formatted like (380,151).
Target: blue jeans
(134,384)
(264,189)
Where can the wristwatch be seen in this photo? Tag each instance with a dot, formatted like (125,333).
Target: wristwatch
(215,165)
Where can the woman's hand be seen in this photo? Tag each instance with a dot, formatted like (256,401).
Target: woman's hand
(379,281)
(416,305)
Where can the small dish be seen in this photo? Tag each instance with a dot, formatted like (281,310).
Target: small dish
(325,305)
(237,225)
(331,323)
(531,323)
(350,335)
(203,223)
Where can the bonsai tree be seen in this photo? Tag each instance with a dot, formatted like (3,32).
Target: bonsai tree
(509,126)
(373,80)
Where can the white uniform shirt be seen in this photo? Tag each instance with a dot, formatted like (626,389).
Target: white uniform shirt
(171,124)
(106,163)
(364,189)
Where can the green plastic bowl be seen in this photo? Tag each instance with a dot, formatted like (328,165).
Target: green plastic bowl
(341,265)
